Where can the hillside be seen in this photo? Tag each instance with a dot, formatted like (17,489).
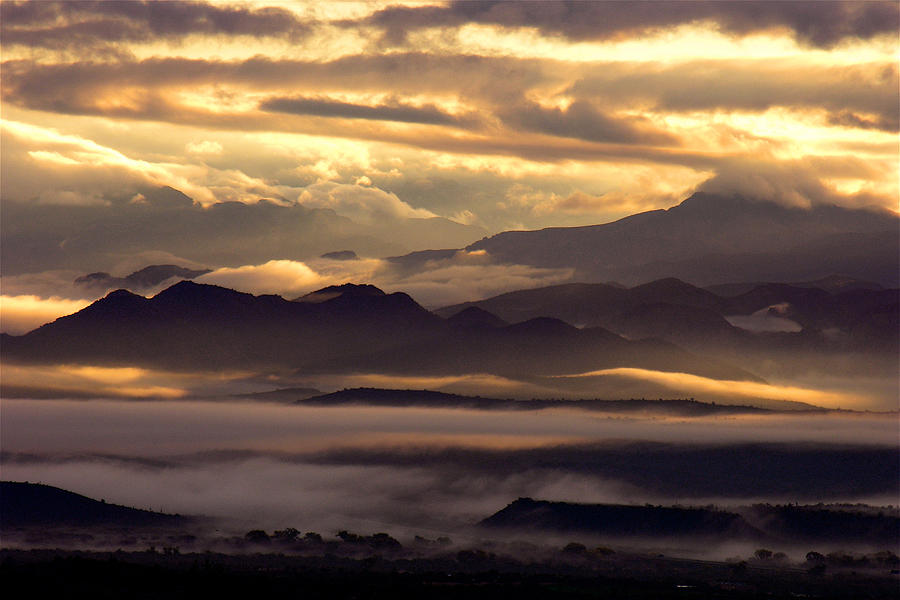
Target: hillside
(31,504)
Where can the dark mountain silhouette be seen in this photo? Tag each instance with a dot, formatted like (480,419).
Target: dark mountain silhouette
(341,255)
(29,504)
(832,284)
(336,329)
(588,303)
(351,290)
(476,318)
(617,520)
(435,399)
(761,522)
(143,279)
(684,314)
(281,395)
(707,239)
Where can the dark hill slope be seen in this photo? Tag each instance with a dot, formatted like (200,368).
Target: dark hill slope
(29,504)
(616,520)
(777,524)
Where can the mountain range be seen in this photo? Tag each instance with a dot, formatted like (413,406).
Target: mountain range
(710,239)
(854,317)
(339,329)
(436,399)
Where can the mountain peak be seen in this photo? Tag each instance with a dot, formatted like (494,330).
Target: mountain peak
(334,291)
(187,293)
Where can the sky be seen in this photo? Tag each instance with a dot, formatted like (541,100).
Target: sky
(501,115)
(391,127)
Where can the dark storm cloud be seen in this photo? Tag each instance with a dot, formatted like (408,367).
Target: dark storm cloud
(408,73)
(846,118)
(393,111)
(582,121)
(71,24)
(821,24)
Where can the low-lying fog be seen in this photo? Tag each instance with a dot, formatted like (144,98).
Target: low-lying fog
(432,470)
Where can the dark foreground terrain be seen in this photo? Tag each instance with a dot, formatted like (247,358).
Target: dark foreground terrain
(93,549)
(462,574)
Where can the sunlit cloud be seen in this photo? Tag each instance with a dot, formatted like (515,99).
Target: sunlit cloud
(459,278)
(20,314)
(689,385)
(283,277)
(82,380)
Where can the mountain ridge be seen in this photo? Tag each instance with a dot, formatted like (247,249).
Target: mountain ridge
(191,325)
(707,238)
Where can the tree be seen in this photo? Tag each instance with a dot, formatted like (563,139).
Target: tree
(763,554)
(257,536)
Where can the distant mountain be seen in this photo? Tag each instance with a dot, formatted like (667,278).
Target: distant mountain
(281,395)
(617,520)
(333,330)
(778,524)
(341,255)
(710,239)
(865,317)
(30,504)
(832,284)
(585,304)
(476,318)
(144,279)
(434,399)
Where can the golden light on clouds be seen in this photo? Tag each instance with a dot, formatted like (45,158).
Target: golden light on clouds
(84,380)
(21,314)
(687,384)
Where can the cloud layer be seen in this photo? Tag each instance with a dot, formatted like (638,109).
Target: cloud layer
(600,109)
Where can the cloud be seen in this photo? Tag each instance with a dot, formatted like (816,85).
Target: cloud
(283,277)
(748,85)
(804,182)
(203,147)
(21,314)
(461,277)
(363,204)
(846,118)
(80,381)
(695,385)
(86,25)
(325,469)
(580,120)
(811,23)
(68,169)
(390,111)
